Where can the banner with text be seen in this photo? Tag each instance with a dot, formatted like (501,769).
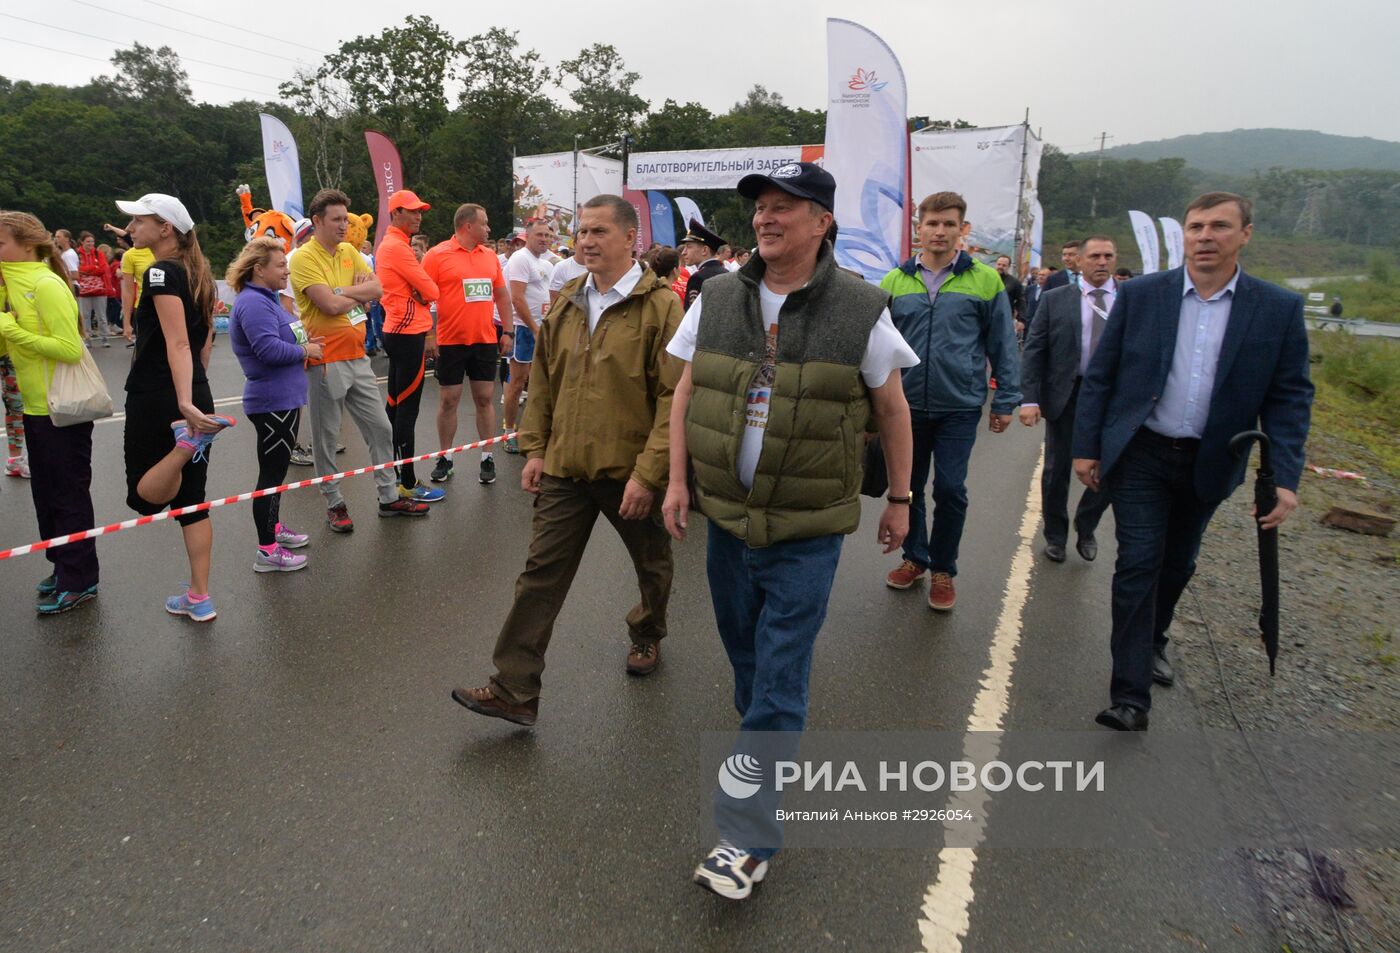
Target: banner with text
(663,220)
(388,177)
(283,167)
(985,166)
(639,202)
(711,168)
(1175,242)
(546,186)
(1146,234)
(867,148)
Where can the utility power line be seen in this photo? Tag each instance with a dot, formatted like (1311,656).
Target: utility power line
(166,26)
(99,59)
(240,27)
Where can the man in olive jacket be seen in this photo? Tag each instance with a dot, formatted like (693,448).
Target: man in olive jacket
(596,438)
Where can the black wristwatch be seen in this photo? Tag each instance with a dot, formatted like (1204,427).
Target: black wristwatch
(907,499)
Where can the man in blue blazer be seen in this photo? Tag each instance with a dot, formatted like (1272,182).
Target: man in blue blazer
(1188,358)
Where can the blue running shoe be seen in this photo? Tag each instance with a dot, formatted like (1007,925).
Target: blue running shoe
(198,611)
(58,602)
(47,586)
(198,443)
(421,494)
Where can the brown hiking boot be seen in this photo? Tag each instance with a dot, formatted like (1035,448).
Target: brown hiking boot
(941,596)
(904,575)
(483,701)
(643,658)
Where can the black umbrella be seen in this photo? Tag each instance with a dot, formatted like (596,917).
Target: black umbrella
(1265,499)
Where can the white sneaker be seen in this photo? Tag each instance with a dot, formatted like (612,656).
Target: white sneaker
(730,872)
(17,467)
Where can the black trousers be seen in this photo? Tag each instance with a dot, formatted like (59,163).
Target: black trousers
(1159,521)
(60,462)
(1055,480)
(405,352)
(277,435)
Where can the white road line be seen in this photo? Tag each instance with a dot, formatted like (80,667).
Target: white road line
(221,402)
(945,917)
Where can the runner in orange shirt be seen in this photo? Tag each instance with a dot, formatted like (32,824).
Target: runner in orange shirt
(408,331)
(468,274)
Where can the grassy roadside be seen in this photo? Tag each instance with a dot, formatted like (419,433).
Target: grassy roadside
(1356,415)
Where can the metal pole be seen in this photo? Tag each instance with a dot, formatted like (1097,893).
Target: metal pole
(573,216)
(1098,168)
(1016,242)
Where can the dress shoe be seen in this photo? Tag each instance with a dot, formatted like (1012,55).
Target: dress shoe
(1088,548)
(1162,672)
(1055,552)
(1123,718)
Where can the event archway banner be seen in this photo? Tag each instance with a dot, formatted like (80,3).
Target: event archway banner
(711,168)
(994,168)
(867,148)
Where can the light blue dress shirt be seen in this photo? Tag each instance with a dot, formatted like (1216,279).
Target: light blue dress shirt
(1200,332)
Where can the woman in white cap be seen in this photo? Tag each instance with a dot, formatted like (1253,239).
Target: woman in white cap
(167,462)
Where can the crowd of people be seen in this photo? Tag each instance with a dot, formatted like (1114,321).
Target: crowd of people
(746,385)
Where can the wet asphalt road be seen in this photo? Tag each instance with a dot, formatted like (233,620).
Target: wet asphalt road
(293,776)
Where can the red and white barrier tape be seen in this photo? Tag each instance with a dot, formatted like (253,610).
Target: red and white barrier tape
(1336,474)
(239,498)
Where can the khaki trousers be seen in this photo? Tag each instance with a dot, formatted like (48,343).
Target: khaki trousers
(565,512)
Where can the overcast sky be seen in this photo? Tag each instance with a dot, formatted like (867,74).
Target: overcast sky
(1138,69)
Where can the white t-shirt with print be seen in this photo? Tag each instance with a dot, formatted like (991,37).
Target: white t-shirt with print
(885,351)
(534,273)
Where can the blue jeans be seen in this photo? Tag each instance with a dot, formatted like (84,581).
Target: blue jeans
(769,606)
(374,326)
(1159,522)
(942,442)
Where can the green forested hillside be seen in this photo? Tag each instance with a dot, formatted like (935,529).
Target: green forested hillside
(1243,151)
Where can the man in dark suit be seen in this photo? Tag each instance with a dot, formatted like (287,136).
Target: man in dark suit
(1030,295)
(698,249)
(1069,252)
(1015,293)
(1189,358)
(1063,333)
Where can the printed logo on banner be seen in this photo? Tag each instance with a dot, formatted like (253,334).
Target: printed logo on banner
(863,80)
(790,171)
(740,776)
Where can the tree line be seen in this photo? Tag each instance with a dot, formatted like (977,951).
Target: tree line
(460,109)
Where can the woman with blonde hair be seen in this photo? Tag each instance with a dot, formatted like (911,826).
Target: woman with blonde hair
(170,419)
(272,348)
(39,327)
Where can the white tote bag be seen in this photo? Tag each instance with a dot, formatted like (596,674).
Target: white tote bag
(77,392)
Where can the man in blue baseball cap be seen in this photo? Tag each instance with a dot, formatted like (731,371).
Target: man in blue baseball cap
(781,491)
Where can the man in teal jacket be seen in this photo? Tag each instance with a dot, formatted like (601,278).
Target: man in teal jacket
(953,311)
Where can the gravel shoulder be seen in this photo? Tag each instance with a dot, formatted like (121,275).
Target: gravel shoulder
(1337,672)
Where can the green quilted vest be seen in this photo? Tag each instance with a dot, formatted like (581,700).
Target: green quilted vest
(807,482)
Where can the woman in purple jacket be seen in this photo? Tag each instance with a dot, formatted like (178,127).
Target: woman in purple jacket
(272,348)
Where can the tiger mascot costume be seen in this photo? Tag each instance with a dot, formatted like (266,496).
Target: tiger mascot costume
(258,222)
